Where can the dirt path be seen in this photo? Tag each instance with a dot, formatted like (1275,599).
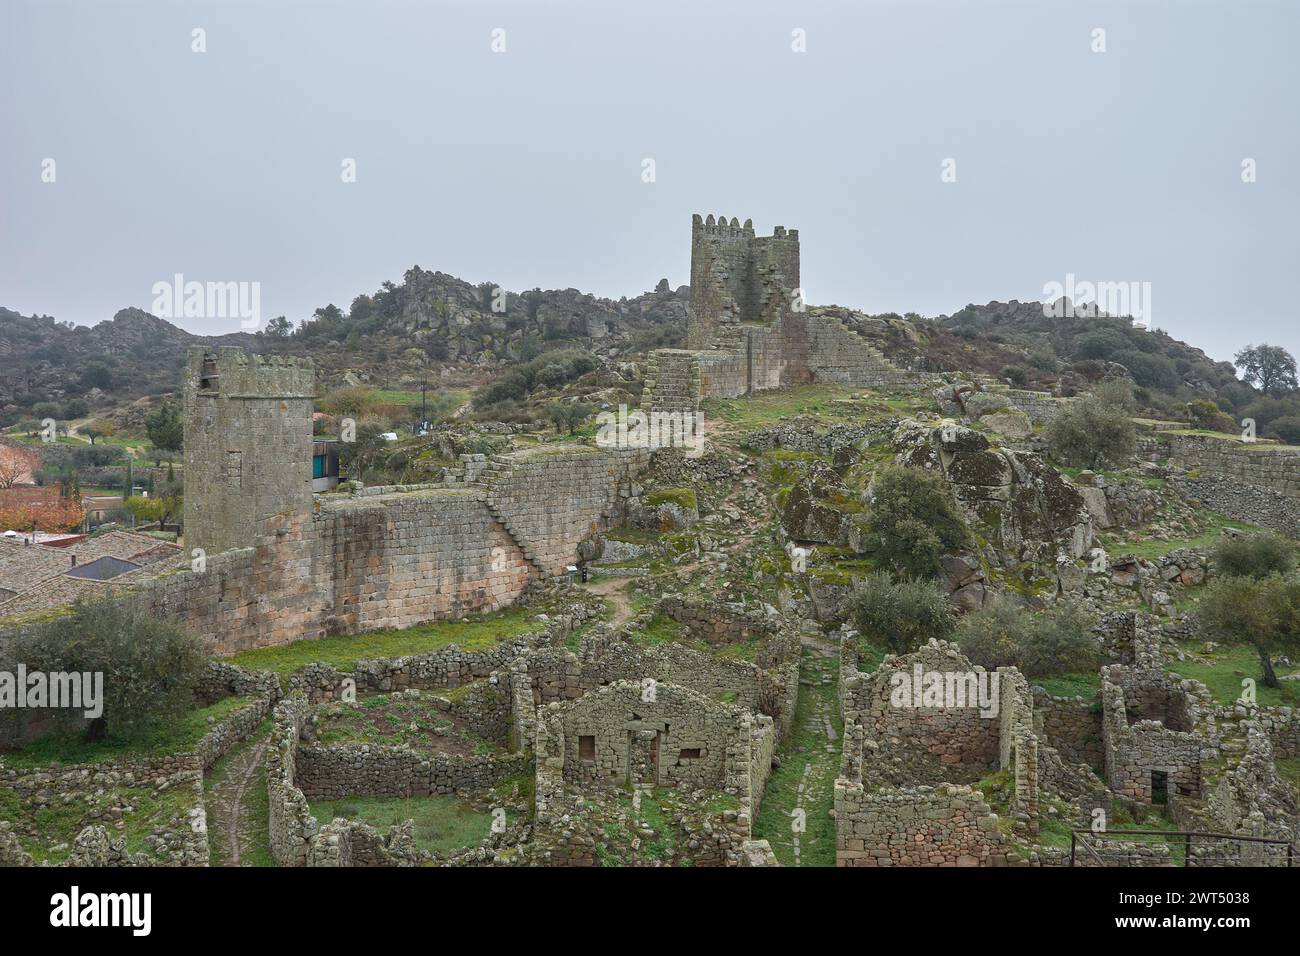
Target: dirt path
(612,590)
(795,814)
(229,804)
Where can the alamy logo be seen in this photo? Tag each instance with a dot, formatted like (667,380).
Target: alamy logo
(653,430)
(950,690)
(208,300)
(1087,300)
(103,909)
(82,691)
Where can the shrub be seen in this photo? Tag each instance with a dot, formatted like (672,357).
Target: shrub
(1056,641)
(1014,374)
(351,402)
(150,666)
(914,520)
(1263,613)
(1093,430)
(1206,414)
(1254,556)
(1149,371)
(903,615)
(1287,428)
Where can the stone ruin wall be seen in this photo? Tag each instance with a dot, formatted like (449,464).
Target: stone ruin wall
(948,825)
(1257,484)
(399,559)
(1254,504)
(607,739)
(1074,727)
(883,819)
(744,334)
(1277,468)
(1138,742)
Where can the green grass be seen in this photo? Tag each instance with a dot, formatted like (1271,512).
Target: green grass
(1230,665)
(1071,685)
(442,823)
(471,634)
(1288,768)
(684,498)
(1150,549)
(807,746)
(397,396)
(180,736)
(58,823)
(765,408)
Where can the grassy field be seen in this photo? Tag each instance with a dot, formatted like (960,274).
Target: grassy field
(471,634)
(442,823)
(177,737)
(1231,665)
(764,408)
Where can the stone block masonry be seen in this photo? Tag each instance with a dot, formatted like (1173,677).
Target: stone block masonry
(280,565)
(748,329)
(248,445)
(915,826)
(1272,467)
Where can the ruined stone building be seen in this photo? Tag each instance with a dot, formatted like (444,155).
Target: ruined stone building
(749,328)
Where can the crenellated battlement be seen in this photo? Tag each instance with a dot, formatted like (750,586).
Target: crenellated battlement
(738,276)
(732,228)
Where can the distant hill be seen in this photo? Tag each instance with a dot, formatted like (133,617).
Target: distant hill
(451,324)
(437,328)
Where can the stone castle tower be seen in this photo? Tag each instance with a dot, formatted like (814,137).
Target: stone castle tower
(738,277)
(248,445)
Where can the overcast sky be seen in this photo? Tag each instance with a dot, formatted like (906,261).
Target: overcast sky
(525,167)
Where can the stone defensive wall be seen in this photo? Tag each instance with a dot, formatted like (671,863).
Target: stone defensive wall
(1041,407)
(749,329)
(797,349)
(402,558)
(1252,463)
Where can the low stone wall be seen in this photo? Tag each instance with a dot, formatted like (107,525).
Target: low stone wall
(182,841)
(915,826)
(298,771)
(444,668)
(1112,852)
(716,623)
(350,770)
(292,827)
(349,843)
(228,733)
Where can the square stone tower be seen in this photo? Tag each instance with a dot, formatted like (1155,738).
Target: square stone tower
(248,445)
(738,277)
